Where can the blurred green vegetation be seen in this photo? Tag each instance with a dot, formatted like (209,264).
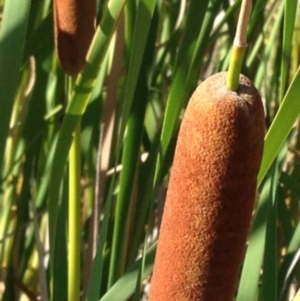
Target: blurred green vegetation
(145,60)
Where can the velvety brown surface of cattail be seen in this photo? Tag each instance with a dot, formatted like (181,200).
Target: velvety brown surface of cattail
(74,29)
(211,193)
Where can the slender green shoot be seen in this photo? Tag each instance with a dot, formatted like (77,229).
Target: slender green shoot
(239,46)
(74,217)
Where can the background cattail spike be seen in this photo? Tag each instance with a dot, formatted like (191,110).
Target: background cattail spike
(74,22)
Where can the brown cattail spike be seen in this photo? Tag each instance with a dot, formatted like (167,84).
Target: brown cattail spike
(74,29)
(211,194)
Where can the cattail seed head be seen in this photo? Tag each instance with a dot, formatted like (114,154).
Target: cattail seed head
(211,194)
(74,22)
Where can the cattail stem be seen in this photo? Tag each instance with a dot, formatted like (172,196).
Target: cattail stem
(74,220)
(239,46)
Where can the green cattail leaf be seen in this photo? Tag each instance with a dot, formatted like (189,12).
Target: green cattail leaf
(12,40)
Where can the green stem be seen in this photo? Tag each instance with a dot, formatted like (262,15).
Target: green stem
(74,218)
(235,66)
(239,47)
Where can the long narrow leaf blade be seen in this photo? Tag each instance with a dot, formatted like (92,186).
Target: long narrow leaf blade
(281,126)
(12,41)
